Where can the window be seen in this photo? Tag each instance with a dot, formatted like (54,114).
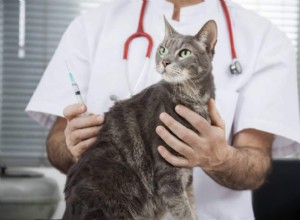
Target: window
(39,24)
(29,33)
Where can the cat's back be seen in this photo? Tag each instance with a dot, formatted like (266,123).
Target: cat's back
(124,155)
(128,135)
(147,100)
(138,112)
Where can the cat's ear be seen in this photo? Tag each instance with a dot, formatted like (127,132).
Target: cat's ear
(207,36)
(169,30)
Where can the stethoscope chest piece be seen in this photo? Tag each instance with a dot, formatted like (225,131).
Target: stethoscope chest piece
(235,67)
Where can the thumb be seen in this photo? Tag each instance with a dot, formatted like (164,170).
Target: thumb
(74,110)
(215,116)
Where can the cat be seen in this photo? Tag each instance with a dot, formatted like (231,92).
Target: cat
(122,175)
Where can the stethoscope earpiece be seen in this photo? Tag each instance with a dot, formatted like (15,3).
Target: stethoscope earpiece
(235,67)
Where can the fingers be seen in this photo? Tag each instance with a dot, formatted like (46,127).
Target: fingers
(198,122)
(172,159)
(74,110)
(85,122)
(215,116)
(81,147)
(81,132)
(80,135)
(192,146)
(183,133)
(185,146)
(176,144)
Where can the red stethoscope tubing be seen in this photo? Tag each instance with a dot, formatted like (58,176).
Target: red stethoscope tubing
(229,26)
(235,67)
(139,33)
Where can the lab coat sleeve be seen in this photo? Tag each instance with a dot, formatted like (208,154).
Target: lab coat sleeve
(269,100)
(54,92)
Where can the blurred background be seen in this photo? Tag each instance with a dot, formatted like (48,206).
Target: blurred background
(30,31)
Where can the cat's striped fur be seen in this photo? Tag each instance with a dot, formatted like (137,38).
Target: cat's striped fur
(122,175)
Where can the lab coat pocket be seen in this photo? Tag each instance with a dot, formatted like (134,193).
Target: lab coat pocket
(226,102)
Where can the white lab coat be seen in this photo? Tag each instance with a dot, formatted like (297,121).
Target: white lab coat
(263,97)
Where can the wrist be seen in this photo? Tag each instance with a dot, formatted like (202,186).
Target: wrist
(222,161)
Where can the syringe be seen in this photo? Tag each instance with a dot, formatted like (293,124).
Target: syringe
(75,87)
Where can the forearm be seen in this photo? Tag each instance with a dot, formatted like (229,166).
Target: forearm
(58,153)
(245,168)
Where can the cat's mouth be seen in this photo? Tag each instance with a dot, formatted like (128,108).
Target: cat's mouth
(160,69)
(172,73)
(163,72)
(168,73)
(175,75)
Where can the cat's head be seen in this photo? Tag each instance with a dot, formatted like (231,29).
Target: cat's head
(180,58)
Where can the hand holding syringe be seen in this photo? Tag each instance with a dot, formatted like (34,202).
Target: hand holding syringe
(80,132)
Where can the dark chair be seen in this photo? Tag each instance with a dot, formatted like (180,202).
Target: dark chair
(279,197)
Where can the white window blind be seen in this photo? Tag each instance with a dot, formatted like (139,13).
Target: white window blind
(22,141)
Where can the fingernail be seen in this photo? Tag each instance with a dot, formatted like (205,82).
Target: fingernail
(82,108)
(162,115)
(160,149)
(159,129)
(177,108)
(100,118)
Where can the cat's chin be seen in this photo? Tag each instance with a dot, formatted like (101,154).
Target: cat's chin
(172,79)
(175,77)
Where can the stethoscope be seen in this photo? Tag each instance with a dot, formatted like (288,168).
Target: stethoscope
(139,33)
(235,67)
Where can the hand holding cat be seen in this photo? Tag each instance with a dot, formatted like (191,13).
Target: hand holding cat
(80,132)
(206,148)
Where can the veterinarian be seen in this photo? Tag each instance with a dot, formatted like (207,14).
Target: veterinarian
(255,114)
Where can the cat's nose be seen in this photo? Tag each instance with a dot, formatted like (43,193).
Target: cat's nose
(166,62)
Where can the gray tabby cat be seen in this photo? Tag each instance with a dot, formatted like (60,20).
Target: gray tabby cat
(122,176)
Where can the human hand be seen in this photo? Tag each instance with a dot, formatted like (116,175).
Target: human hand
(81,132)
(206,148)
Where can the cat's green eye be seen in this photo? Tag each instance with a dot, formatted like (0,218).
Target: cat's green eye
(163,51)
(185,53)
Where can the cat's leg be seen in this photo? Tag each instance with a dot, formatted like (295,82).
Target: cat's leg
(172,185)
(82,203)
(112,191)
(191,198)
